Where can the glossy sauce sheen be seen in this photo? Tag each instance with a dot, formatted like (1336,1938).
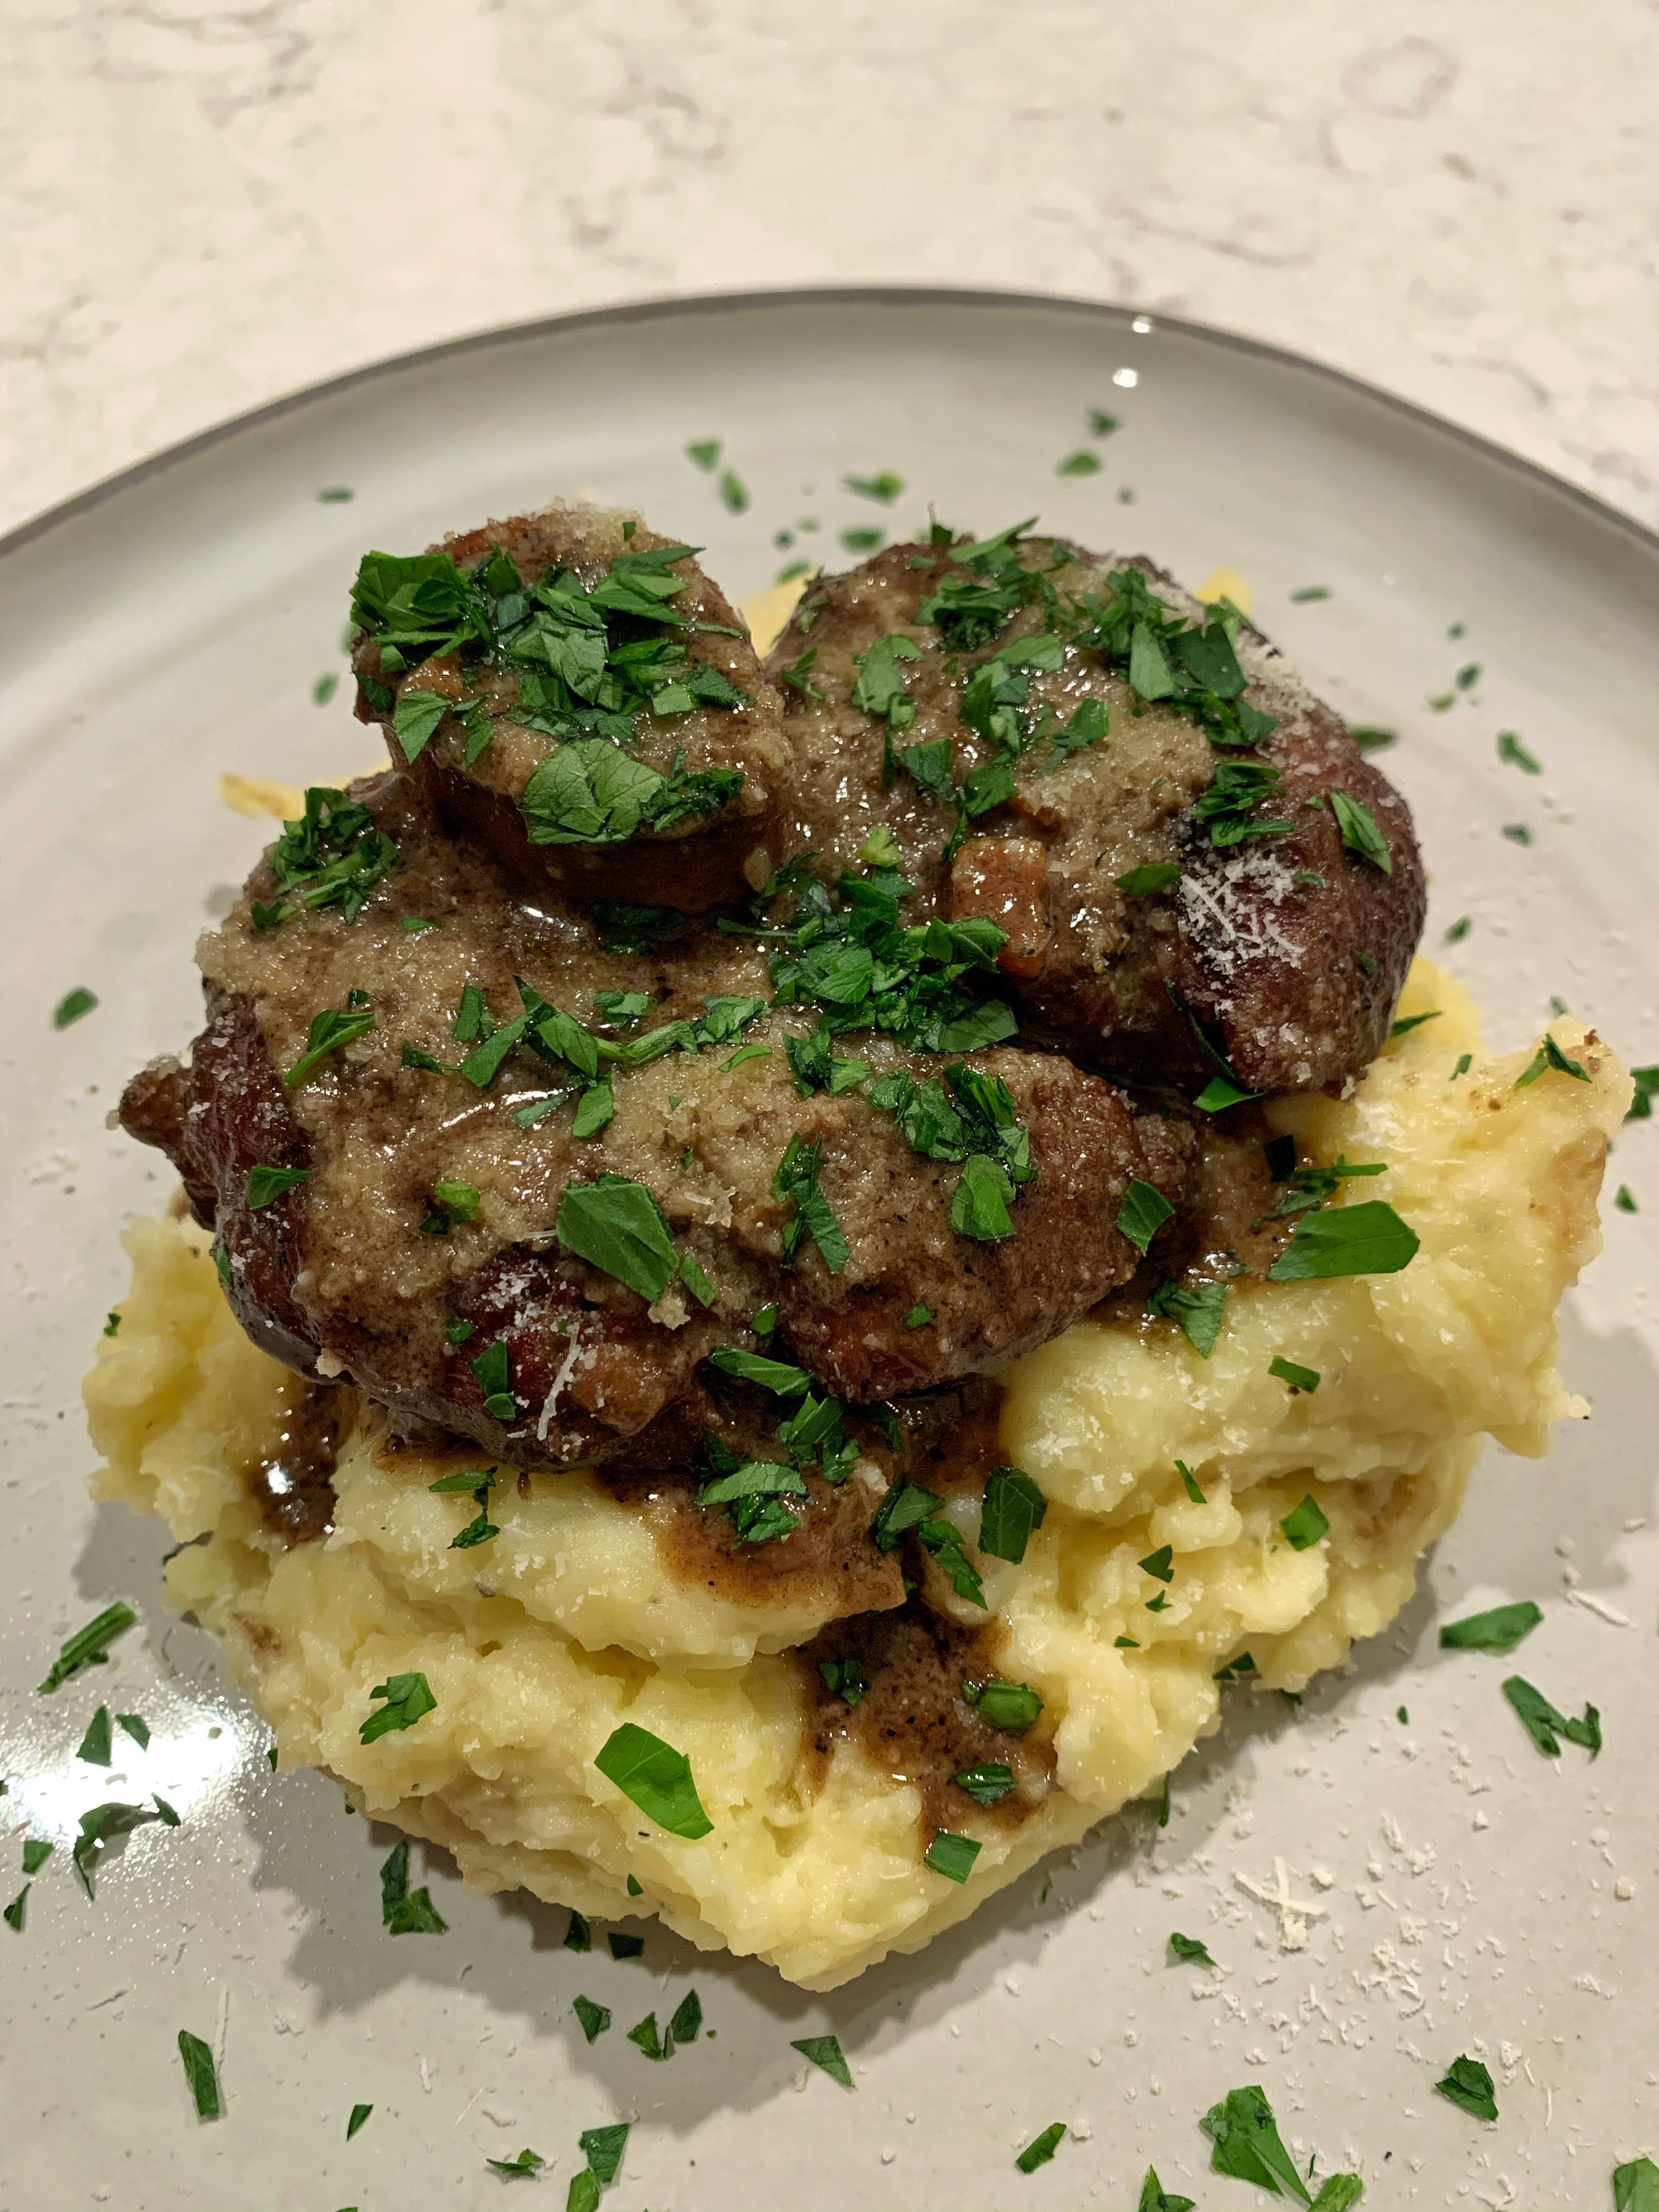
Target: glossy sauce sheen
(293,1484)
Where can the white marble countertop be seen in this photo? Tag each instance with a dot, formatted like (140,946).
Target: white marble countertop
(212,204)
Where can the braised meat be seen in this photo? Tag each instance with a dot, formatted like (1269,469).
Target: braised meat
(576,694)
(1195,868)
(519,1184)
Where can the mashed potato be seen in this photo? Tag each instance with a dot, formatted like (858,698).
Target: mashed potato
(538,1646)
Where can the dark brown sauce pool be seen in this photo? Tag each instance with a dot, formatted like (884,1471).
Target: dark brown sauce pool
(293,1484)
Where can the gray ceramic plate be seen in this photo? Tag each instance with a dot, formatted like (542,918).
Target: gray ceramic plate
(1467,1894)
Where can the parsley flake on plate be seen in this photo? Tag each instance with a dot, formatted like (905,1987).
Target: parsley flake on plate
(1545,1726)
(1082,463)
(657,1778)
(1188,1946)
(1499,1629)
(71,1008)
(88,1647)
(884,486)
(594,2018)
(201,2075)
(824,2052)
(1245,2143)
(526,2165)
(1636,2186)
(359,2116)
(403,1911)
(1041,2149)
(1154,2198)
(1467,2083)
(623,1945)
(95,1744)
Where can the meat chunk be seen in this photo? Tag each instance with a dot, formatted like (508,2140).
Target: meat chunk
(575,693)
(1191,860)
(448,1240)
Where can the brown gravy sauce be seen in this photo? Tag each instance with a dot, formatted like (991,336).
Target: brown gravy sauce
(293,1484)
(913,1721)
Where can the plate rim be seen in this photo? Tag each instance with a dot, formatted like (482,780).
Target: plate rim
(663,305)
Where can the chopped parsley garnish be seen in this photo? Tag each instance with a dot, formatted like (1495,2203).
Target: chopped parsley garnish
(1510,748)
(1545,1726)
(95,1744)
(1245,2143)
(942,1539)
(492,1375)
(1143,883)
(951,1856)
(1313,1185)
(1228,803)
(1189,1482)
(1499,1629)
(104,1822)
(1646,1080)
(1101,422)
(1408,1022)
(1624,1199)
(330,857)
(1636,2186)
(884,486)
(987,1783)
(330,1031)
(1549,1054)
(112,1323)
(36,1852)
(1517,832)
(359,2115)
(1299,1378)
(734,493)
(1361,833)
(408,1699)
(578,1936)
(325,688)
(527,2163)
(266,1184)
(1371,740)
(1236,1668)
(656,1777)
(625,1946)
(752,1490)
(1370,1239)
(843,1679)
(1160,1563)
(1041,2149)
(1155,2198)
(824,2052)
(617,1226)
(1188,1946)
(416,720)
(478,1483)
(603,2148)
(906,1505)
(920,1314)
(88,1646)
(594,2018)
(200,2074)
(879,690)
(1465,1062)
(1012,1510)
(1011,1708)
(777,1376)
(1466,2083)
(1197,1309)
(704,453)
(403,1911)
(796,1180)
(1082,463)
(1144,1211)
(1305,1526)
(71,1008)
(1308,593)
(332,494)
(862,539)
(592,793)
(625,926)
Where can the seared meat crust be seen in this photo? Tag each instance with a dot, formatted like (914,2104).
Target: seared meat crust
(708,860)
(1289,952)
(336,1274)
